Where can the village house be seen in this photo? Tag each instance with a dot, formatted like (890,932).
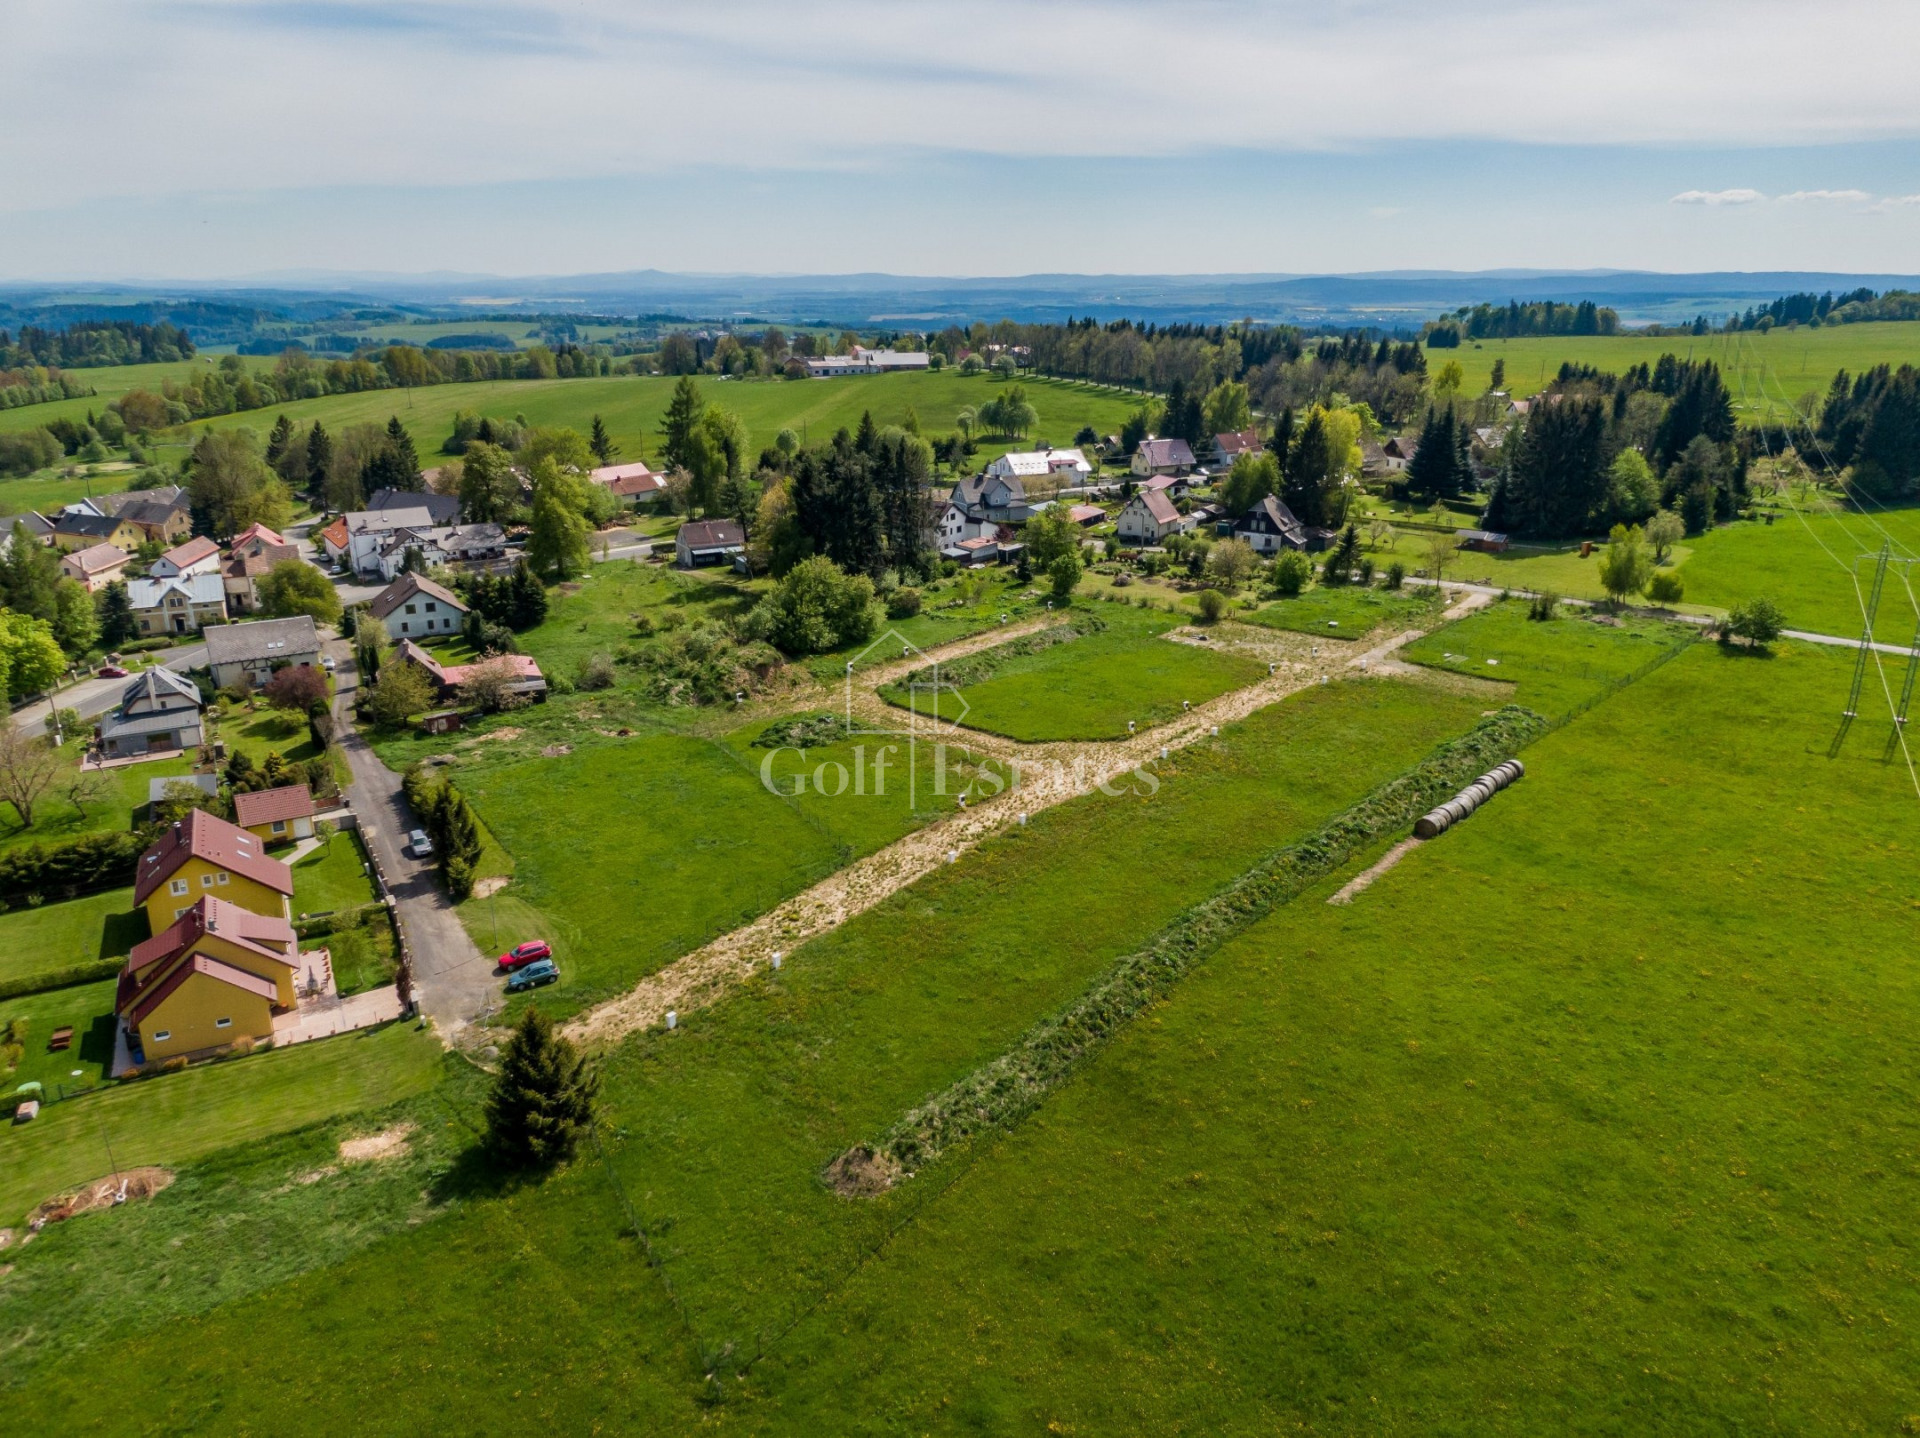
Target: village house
(96,566)
(39,528)
(1055,467)
(414,607)
(278,816)
(248,654)
(527,682)
(635,483)
(241,574)
(177,606)
(1398,452)
(159,712)
(83,530)
(1148,518)
(1232,445)
(980,506)
(198,555)
(1163,456)
(162,516)
(708,541)
(442,509)
(215,973)
(866,361)
(203,855)
(1270,527)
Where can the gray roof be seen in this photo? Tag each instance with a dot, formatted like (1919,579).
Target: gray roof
(378,521)
(262,640)
(100,525)
(113,726)
(444,508)
(160,685)
(205,783)
(199,589)
(37,524)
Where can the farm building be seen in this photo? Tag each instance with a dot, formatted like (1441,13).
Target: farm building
(1057,466)
(1486,541)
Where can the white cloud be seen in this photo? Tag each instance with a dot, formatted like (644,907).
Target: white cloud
(313,93)
(1717,197)
(1844,196)
(1896,202)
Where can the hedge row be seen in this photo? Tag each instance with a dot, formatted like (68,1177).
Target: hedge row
(1006,1088)
(320,925)
(37,874)
(90,972)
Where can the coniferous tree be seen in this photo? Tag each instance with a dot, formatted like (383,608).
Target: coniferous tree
(1555,481)
(542,1099)
(1309,478)
(29,574)
(681,424)
(319,459)
(279,441)
(602,445)
(405,457)
(528,604)
(117,622)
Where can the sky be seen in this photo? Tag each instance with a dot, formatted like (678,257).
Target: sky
(221,139)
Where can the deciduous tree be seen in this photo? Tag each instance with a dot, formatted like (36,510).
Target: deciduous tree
(293,587)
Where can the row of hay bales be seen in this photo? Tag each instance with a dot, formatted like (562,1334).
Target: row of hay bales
(1436,822)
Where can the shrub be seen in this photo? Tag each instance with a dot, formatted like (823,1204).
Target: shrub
(1758,621)
(1396,574)
(1291,571)
(1541,606)
(1213,606)
(297,688)
(903,603)
(816,607)
(1666,588)
(1065,574)
(87,865)
(594,672)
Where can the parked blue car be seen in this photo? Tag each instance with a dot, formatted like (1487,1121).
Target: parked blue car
(545,971)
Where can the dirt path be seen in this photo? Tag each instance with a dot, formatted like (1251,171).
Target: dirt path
(1049,774)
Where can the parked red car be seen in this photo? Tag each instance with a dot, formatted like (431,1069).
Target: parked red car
(526,953)
(112,671)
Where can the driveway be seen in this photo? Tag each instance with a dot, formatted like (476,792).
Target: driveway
(453,981)
(94,697)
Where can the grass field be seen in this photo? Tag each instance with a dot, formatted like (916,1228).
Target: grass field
(56,820)
(718,1134)
(1766,372)
(629,853)
(178,1117)
(1554,664)
(1346,611)
(88,1010)
(1087,687)
(1580,1120)
(57,936)
(332,877)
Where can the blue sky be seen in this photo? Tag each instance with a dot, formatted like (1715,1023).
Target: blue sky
(222,138)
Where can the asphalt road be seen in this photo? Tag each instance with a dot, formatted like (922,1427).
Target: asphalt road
(453,982)
(94,697)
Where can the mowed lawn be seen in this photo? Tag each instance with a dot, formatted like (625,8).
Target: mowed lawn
(58,936)
(1090,686)
(629,853)
(1550,664)
(718,1132)
(85,1008)
(1594,1116)
(1808,566)
(178,1117)
(332,877)
(58,820)
(1347,611)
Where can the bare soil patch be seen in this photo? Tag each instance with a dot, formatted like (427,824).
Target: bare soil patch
(486,888)
(105,1192)
(862,1173)
(1359,882)
(554,751)
(373,1147)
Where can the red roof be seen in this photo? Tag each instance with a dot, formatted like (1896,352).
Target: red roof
(1160,507)
(263,806)
(200,964)
(269,937)
(523,668)
(335,534)
(201,836)
(260,532)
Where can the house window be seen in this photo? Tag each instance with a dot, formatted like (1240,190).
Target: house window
(408,609)
(206,881)
(279,826)
(404,626)
(163,1036)
(221,877)
(223,1023)
(432,608)
(178,886)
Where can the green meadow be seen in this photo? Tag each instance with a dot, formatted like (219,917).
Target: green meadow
(1346,611)
(1085,686)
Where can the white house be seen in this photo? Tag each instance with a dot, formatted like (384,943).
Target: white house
(1148,518)
(250,653)
(1270,526)
(865,361)
(414,607)
(1398,453)
(1231,446)
(198,555)
(1058,466)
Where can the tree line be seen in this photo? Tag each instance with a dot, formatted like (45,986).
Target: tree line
(1517,320)
(89,344)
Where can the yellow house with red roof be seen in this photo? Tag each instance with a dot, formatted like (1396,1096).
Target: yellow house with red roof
(206,857)
(218,973)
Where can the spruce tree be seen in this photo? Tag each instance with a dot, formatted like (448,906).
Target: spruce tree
(405,461)
(542,1098)
(528,605)
(680,423)
(117,622)
(319,459)
(602,445)
(279,441)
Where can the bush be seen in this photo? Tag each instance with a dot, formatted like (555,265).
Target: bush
(903,603)
(1396,574)
(1666,588)
(1541,606)
(25,452)
(1759,622)
(296,688)
(1213,606)
(1065,574)
(86,866)
(816,607)
(1291,571)
(594,672)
